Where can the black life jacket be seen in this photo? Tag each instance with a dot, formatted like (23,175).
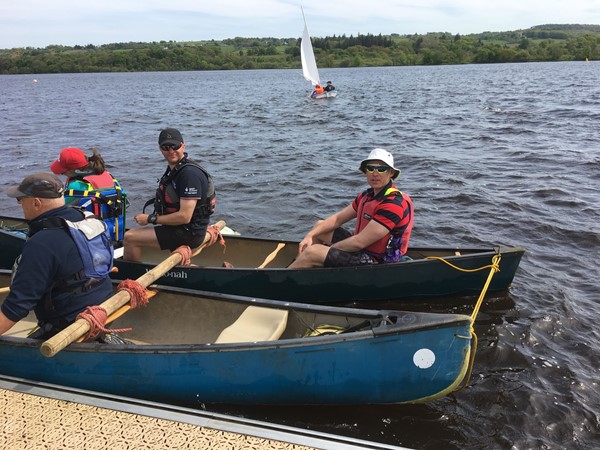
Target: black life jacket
(167,201)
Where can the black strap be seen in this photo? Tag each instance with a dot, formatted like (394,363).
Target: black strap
(148,203)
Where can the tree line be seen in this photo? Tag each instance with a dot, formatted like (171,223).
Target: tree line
(541,43)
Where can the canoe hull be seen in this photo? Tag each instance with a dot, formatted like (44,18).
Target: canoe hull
(317,374)
(402,357)
(331,94)
(415,279)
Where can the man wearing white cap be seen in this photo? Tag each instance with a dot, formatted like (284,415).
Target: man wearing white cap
(384,221)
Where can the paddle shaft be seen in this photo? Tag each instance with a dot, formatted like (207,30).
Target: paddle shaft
(81,326)
(4,290)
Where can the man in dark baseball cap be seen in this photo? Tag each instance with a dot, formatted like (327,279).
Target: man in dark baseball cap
(40,185)
(170,136)
(183,203)
(49,276)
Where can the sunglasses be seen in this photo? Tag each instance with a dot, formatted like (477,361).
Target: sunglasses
(380,169)
(167,147)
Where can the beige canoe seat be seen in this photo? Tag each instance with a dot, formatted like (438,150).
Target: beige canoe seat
(255,324)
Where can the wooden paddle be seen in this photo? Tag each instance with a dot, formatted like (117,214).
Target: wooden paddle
(80,327)
(4,290)
(271,256)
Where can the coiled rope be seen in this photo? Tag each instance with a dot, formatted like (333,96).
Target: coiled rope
(96,315)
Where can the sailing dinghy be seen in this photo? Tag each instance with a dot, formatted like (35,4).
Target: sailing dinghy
(309,63)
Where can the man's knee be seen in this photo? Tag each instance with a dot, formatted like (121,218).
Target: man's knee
(129,237)
(138,236)
(316,253)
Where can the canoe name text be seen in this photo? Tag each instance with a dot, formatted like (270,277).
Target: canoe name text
(174,274)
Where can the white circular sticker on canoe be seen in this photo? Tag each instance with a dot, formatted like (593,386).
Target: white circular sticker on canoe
(424,358)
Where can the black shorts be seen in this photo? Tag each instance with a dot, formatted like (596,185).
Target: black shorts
(169,238)
(340,258)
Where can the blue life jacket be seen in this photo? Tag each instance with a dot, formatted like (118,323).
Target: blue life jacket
(93,242)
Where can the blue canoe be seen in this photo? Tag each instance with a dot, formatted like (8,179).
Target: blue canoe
(190,347)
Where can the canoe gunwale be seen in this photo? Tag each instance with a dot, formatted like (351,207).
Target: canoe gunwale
(333,339)
(380,323)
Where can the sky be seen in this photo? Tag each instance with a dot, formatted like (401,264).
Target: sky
(39,23)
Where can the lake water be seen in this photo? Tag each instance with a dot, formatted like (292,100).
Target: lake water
(491,154)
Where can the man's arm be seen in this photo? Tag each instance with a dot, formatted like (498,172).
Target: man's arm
(327,225)
(181,217)
(5,323)
(371,233)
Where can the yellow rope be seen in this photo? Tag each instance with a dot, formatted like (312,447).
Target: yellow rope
(460,268)
(495,267)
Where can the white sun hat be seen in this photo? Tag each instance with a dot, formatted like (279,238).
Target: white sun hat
(382,155)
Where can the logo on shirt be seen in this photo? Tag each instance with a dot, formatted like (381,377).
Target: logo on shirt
(191,191)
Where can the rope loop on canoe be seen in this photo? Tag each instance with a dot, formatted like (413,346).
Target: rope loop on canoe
(95,316)
(469,372)
(186,254)
(215,234)
(138,296)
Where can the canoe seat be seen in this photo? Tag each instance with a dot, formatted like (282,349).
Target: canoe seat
(22,329)
(255,324)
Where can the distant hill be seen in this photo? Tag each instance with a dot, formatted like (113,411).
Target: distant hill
(551,42)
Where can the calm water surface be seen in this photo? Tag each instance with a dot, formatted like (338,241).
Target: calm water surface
(495,154)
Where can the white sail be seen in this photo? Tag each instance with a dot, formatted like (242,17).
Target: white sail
(309,64)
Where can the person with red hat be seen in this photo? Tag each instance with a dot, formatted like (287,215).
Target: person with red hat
(92,187)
